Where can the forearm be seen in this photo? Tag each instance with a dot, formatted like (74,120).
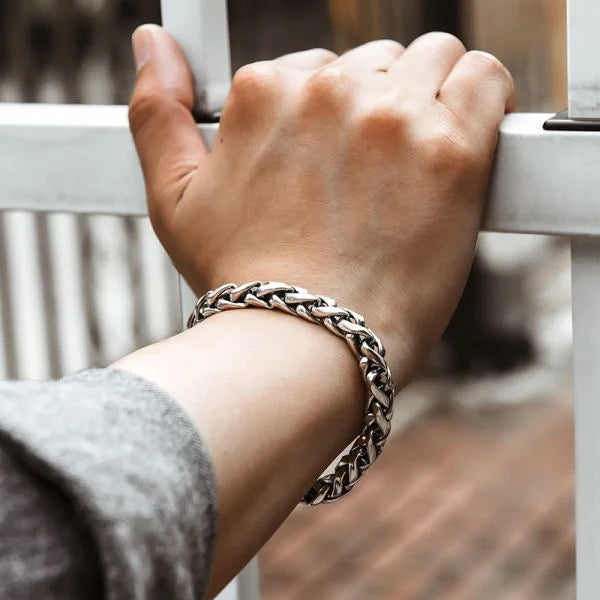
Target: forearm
(275,398)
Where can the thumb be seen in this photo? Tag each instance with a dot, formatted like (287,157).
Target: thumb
(165,133)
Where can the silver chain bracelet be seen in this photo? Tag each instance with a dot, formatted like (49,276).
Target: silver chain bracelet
(365,345)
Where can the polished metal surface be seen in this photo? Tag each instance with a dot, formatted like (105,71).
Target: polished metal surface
(365,345)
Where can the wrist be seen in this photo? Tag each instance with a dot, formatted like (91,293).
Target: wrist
(366,295)
(366,347)
(316,367)
(277,352)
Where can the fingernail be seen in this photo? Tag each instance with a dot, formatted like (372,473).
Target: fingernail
(141,40)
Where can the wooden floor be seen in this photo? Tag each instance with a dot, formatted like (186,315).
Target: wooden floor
(461,506)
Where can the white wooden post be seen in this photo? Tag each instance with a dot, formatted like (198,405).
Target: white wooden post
(586,348)
(584,58)
(584,102)
(200,28)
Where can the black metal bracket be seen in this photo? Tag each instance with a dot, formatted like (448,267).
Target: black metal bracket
(562,122)
(201,116)
(559,122)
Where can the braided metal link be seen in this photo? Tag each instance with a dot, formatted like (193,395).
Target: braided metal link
(365,345)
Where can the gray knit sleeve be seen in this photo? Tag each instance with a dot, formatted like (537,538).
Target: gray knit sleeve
(106,491)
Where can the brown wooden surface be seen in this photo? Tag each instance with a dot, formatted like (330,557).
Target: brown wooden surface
(459,507)
(528,35)
(355,22)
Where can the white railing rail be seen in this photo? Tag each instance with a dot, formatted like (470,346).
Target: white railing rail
(543,181)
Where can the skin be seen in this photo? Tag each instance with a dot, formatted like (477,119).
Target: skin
(361,177)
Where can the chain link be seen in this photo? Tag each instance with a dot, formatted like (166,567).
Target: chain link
(365,345)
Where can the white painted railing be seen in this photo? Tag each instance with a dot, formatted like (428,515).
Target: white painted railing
(543,181)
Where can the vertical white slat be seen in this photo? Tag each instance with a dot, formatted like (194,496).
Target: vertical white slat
(114,304)
(28,320)
(73,347)
(159,298)
(68,339)
(584,58)
(8,366)
(244,586)
(584,102)
(5,331)
(200,27)
(586,350)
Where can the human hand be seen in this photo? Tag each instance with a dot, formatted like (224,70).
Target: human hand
(361,177)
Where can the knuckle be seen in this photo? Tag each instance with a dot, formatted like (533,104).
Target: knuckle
(255,80)
(254,90)
(388,46)
(306,59)
(448,149)
(441,38)
(323,54)
(384,125)
(487,64)
(392,45)
(327,86)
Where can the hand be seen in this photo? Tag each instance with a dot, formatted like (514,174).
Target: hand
(361,177)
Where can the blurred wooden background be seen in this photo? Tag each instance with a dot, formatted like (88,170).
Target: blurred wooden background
(527,35)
